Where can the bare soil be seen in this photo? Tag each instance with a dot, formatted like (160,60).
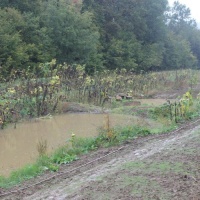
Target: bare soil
(156,167)
(176,91)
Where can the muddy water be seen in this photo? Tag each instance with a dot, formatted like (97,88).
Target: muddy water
(18,147)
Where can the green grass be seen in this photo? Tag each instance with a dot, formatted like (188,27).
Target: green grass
(156,167)
(16,177)
(140,184)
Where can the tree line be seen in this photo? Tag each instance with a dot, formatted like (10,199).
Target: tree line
(138,35)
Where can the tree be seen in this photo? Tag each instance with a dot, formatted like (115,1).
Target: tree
(127,28)
(178,53)
(194,39)
(179,19)
(38,42)
(22,5)
(185,35)
(74,36)
(12,49)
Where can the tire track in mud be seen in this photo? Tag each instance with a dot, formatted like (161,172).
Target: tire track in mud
(64,184)
(66,188)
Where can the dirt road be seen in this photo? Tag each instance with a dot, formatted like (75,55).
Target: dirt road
(163,167)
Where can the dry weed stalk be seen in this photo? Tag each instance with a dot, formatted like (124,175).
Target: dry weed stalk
(42,147)
(107,124)
(108,129)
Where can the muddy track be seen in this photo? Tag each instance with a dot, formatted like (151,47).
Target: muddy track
(93,174)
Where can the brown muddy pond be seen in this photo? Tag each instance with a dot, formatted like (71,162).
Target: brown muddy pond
(18,147)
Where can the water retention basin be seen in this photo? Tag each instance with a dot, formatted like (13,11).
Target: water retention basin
(18,147)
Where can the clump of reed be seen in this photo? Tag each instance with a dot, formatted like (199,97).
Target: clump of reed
(42,147)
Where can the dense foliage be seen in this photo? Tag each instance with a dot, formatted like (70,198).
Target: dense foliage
(131,34)
(33,96)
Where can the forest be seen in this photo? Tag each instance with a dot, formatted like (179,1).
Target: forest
(137,35)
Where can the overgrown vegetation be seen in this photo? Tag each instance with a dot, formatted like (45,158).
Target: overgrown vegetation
(31,95)
(178,111)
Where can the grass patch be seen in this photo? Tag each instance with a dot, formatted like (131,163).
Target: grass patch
(142,184)
(16,177)
(156,167)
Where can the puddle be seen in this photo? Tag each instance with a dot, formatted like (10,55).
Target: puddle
(18,147)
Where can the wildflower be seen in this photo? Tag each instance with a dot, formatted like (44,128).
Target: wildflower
(73,135)
(80,69)
(40,89)
(55,80)
(88,81)
(11,90)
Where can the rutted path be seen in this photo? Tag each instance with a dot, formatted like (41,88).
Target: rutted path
(156,167)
